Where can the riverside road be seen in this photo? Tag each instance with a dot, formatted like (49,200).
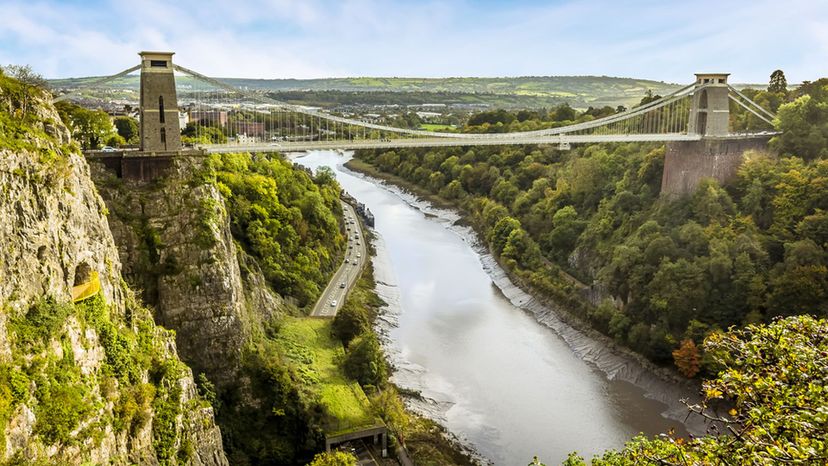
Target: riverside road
(346,276)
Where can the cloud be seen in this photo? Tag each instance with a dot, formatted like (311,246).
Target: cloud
(667,40)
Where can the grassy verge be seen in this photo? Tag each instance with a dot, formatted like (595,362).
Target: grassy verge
(436,127)
(316,357)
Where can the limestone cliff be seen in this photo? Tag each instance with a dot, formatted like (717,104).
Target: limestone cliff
(173,235)
(174,240)
(94,381)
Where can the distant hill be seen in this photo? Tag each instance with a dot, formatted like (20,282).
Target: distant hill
(528,91)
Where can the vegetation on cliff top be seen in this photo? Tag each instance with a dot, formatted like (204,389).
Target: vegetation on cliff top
(24,118)
(284,218)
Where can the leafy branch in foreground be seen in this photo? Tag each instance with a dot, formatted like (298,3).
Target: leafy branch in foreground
(776,378)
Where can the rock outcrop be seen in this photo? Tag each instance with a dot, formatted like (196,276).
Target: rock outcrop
(173,235)
(95,381)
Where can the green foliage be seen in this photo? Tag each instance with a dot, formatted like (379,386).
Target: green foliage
(774,376)
(62,401)
(365,361)
(125,359)
(804,126)
(166,407)
(334,458)
(200,134)
(115,140)
(21,123)
(91,128)
(351,321)
(207,390)
(289,421)
(127,128)
(778,83)
(133,409)
(283,218)
(68,408)
(40,324)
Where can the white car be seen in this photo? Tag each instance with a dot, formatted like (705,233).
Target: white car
(333,303)
(342,285)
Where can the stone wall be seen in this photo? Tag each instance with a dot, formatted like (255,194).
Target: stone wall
(686,163)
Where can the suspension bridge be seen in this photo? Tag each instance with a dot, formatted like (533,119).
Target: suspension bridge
(171,96)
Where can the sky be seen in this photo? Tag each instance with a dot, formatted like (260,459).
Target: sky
(664,40)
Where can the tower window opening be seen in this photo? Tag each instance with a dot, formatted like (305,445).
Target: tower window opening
(158,63)
(161,108)
(164,136)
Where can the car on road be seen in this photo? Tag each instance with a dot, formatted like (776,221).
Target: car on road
(355,262)
(108,149)
(333,303)
(342,285)
(359,254)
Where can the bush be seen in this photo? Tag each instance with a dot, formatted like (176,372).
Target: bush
(365,361)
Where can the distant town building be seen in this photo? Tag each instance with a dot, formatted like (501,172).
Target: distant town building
(209,117)
(428,115)
(249,128)
(245,139)
(183,119)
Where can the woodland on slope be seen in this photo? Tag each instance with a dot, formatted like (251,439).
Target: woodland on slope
(671,270)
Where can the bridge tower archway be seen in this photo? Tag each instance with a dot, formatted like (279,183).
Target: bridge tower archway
(710,109)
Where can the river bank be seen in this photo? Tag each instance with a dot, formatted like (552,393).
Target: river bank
(616,362)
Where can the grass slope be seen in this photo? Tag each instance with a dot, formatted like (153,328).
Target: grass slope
(310,347)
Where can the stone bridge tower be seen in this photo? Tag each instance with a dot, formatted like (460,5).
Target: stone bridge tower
(710,111)
(159,128)
(719,153)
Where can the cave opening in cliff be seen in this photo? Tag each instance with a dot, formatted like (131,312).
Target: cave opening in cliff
(83,273)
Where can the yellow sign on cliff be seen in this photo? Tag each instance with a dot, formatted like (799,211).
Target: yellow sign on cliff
(88,289)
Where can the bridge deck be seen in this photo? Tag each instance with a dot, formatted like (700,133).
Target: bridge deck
(440,142)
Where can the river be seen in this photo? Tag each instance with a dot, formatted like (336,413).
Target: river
(507,378)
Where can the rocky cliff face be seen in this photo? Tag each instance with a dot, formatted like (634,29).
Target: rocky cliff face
(174,240)
(95,381)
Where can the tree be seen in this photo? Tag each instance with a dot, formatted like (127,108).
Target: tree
(24,74)
(115,140)
(804,127)
(89,127)
(778,83)
(687,358)
(648,97)
(127,128)
(349,322)
(564,112)
(334,458)
(365,361)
